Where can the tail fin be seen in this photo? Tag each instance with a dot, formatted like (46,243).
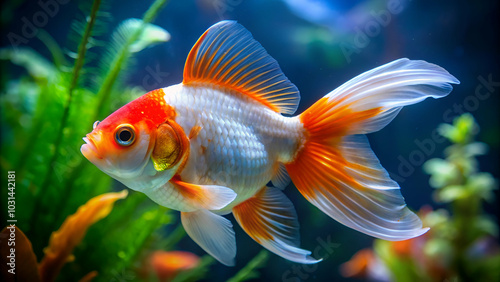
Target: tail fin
(338,172)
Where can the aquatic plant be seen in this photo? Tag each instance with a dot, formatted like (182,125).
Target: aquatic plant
(462,244)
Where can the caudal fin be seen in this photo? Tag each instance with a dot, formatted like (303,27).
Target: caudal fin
(338,172)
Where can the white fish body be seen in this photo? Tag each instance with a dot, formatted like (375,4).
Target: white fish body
(240,142)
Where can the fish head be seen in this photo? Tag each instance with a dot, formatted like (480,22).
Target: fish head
(118,146)
(140,144)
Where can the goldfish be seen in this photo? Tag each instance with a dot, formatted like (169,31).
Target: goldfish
(225,141)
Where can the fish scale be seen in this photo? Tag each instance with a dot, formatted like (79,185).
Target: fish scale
(244,140)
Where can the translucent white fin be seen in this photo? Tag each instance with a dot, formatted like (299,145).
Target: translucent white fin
(388,88)
(281,179)
(270,219)
(213,233)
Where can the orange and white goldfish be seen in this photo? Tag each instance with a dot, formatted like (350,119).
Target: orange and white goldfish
(210,145)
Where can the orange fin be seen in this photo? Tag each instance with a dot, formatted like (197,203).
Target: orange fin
(338,172)
(270,219)
(213,233)
(346,181)
(226,55)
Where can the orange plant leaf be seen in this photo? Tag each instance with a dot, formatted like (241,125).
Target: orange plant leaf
(358,265)
(18,261)
(167,265)
(63,241)
(89,276)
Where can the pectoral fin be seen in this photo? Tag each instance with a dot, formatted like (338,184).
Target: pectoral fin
(213,233)
(209,197)
(187,197)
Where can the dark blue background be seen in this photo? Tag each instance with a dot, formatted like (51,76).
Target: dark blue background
(461,36)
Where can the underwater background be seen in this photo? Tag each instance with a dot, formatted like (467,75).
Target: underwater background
(53,88)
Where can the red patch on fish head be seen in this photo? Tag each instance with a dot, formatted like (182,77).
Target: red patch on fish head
(126,137)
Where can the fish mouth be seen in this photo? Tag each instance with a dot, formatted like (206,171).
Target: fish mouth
(89,149)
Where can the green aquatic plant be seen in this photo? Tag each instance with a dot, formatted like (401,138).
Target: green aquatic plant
(459,183)
(462,244)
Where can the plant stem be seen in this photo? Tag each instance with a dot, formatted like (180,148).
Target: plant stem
(174,237)
(55,50)
(465,211)
(248,272)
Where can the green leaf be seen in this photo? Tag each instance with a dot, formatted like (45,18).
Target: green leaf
(476,149)
(442,172)
(452,193)
(439,248)
(54,49)
(482,185)
(151,35)
(36,65)
(448,131)
(486,225)
(462,131)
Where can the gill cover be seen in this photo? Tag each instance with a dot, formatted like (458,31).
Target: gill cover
(170,145)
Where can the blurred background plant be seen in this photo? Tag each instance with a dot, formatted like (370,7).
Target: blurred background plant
(462,242)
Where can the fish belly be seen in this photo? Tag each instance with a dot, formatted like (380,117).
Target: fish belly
(239,142)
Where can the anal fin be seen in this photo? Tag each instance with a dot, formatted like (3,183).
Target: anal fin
(270,219)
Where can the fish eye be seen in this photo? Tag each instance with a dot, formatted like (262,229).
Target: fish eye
(125,135)
(96,123)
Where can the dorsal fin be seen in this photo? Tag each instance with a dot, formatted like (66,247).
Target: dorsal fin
(227,55)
